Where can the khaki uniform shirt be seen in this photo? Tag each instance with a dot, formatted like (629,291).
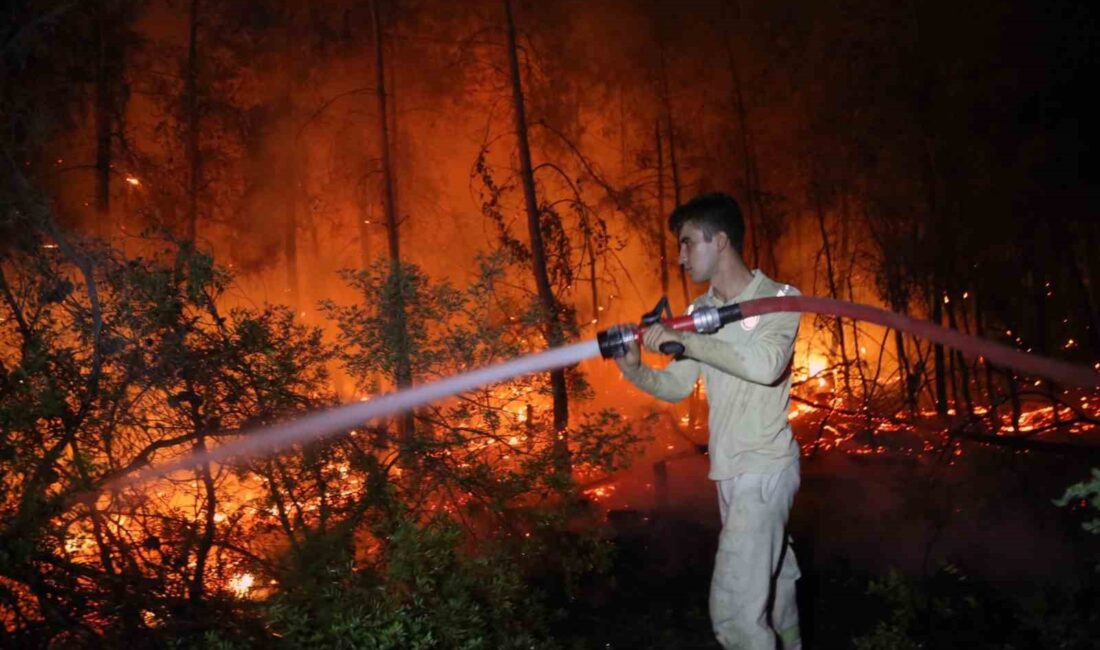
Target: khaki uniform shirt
(745,368)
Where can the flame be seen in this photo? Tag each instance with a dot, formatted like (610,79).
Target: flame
(133,181)
(601,492)
(817,363)
(241,584)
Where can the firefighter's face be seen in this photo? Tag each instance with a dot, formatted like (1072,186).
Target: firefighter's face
(698,256)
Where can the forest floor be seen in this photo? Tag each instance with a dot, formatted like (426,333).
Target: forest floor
(980,517)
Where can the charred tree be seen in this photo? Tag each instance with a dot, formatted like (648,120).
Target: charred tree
(834,292)
(192,117)
(109,64)
(659,231)
(292,193)
(755,230)
(938,355)
(552,326)
(403,366)
(674,167)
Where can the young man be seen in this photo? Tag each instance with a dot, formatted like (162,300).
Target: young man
(753,456)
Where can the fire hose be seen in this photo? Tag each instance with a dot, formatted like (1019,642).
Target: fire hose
(615,341)
(610,343)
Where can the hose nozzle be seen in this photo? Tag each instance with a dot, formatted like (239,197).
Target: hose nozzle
(615,341)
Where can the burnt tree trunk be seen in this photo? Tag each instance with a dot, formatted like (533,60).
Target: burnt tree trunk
(107,74)
(403,366)
(677,198)
(551,312)
(960,362)
(754,214)
(834,292)
(662,238)
(364,232)
(191,115)
(674,167)
(938,360)
(290,225)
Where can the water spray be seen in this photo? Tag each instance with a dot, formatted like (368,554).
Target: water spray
(610,343)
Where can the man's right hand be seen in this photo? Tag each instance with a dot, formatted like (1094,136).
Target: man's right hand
(632,359)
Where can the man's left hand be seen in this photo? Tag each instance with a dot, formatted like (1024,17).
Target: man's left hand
(657,334)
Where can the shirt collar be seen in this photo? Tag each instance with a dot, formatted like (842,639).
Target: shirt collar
(748,292)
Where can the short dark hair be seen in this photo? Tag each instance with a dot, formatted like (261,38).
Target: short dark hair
(713,212)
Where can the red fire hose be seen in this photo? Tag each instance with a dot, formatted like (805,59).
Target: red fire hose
(613,341)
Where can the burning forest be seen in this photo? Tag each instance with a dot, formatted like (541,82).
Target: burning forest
(302,306)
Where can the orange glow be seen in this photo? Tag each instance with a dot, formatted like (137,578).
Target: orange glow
(241,584)
(601,492)
(817,364)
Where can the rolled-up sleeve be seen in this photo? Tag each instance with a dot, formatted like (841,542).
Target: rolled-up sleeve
(763,361)
(671,384)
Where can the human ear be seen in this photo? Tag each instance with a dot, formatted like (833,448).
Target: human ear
(721,240)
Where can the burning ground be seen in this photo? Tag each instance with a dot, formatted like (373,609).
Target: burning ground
(217,216)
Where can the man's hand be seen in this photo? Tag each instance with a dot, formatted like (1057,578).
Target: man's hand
(658,334)
(632,359)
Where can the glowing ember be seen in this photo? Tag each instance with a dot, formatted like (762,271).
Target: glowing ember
(241,584)
(601,492)
(133,181)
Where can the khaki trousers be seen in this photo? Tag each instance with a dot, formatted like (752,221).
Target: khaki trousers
(752,592)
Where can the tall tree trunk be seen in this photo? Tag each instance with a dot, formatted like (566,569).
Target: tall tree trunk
(866,386)
(830,275)
(291,153)
(590,252)
(552,319)
(104,104)
(938,359)
(191,115)
(754,229)
(674,167)
(622,134)
(991,396)
(662,238)
(290,227)
(677,198)
(960,362)
(695,401)
(365,218)
(403,366)
(905,374)
(197,587)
